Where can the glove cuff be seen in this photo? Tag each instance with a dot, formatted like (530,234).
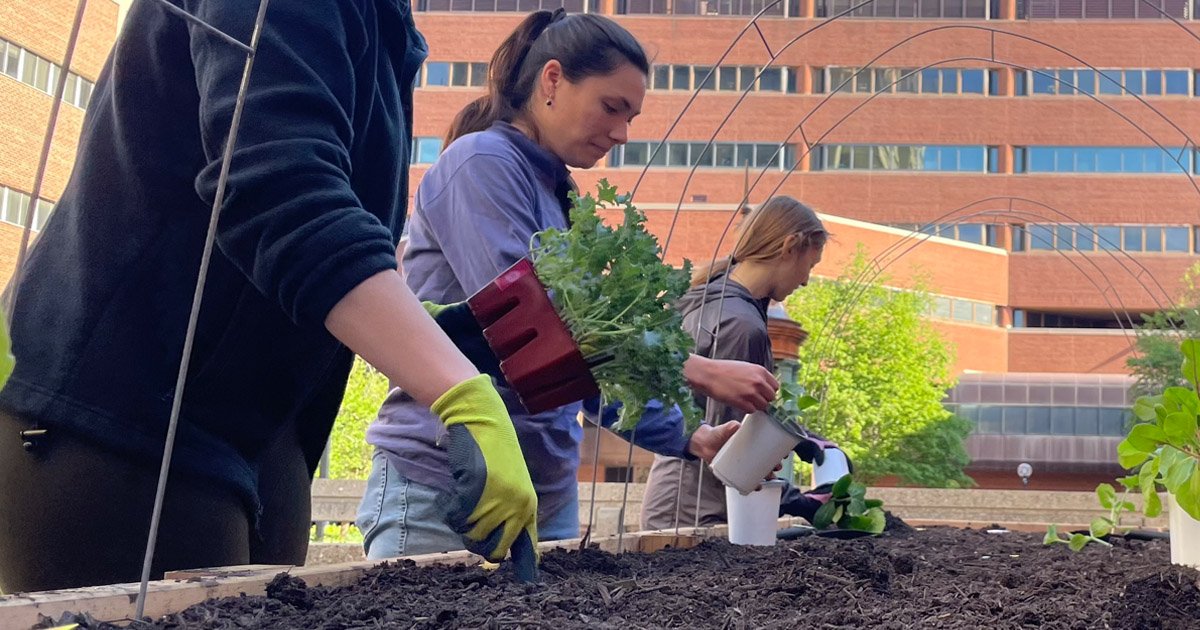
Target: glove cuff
(463,401)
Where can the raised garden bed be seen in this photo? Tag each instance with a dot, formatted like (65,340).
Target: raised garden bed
(936,578)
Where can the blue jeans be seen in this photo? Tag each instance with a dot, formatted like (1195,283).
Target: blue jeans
(400,517)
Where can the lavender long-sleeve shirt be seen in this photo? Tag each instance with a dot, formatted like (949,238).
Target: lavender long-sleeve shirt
(475,212)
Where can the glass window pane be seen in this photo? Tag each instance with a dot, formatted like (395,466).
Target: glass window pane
(970,159)
(1153,82)
(910,81)
(677,154)
(861,158)
(726,155)
(1062,420)
(1108,161)
(941,307)
(704,79)
(1109,238)
(428,150)
(1176,82)
(963,311)
(460,74)
(1177,239)
(1132,239)
(970,232)
(991,419)
(1085,238)
(1087,421)
(972,81)
(85,92)
(658,154)
(1110,82)
(1086,81)
(930,81)
(884,78)
(1112,421)
(1043,83)
(72,88)
(766,155)
(841,81)
(728,79)
(1066,82)
(437,73)
(1037,421)
(745,155)
(479,72)
(1014,420)
(1064,237)
(1154,239)
(1041,160)
(29,68)
(1134,83)
(748,74)
(1064,160)
(1041,238)
(949,80)
(771,80)
(662,78)
(12,60)
(681,77)
(700,155)
(984,314)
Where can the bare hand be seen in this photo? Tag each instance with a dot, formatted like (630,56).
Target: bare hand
(707,440)
(747,387)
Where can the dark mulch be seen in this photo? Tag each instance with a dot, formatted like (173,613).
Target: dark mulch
(937,578)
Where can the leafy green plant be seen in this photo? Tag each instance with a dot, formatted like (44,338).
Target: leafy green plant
(791,402)
(349,452)
(1164,444)
(849,508)
(614,293)
(1101,526)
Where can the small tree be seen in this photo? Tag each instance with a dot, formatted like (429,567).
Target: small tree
(883,375)
(350,455)
(1157,365)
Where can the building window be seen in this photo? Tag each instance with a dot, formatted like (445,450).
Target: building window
(962,311)
(724,78)
(968,9)
(977,233)
(956,81)
(1106,9)
(40,73)
(426,150)
(718,155)
(881,157)
(708,7)
(1108,160)
(1171,239)
(1005,419)
(14,208)
(453,74)
(505,6)
(1112,82)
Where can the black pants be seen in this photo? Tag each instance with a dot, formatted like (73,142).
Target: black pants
(73,515)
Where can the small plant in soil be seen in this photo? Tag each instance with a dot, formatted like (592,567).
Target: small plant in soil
(849,508)
(1101,526)
(613,291)
(791,402)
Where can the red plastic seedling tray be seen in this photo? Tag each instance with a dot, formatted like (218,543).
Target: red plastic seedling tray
(537,354)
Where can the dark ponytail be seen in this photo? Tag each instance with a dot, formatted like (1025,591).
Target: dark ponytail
(584,44)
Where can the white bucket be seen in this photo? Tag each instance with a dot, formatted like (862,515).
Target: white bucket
(835,467)
(754,517)
(753,452)
(1185,535)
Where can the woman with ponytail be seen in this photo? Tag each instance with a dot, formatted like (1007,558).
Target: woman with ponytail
(561,94)
(777,246)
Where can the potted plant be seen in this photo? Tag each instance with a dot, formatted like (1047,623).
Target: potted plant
(1164,446)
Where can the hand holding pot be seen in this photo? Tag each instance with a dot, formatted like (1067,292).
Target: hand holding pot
(747,387)
(707,440)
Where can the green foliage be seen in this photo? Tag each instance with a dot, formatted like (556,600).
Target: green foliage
(1158,361)
(350,455)
(849,508)
(881,378)
(791,403)
(1101,526)
(613,291)
(1164,444)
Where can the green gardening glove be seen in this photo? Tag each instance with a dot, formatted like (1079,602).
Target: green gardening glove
(491,503)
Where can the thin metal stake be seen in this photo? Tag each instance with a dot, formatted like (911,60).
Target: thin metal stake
(210,238)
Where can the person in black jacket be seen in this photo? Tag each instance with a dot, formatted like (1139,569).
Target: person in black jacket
(304,273)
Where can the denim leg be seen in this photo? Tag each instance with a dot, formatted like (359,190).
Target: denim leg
(564,524)
(400,517)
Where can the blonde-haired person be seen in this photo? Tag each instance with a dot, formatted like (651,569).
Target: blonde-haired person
(777,246)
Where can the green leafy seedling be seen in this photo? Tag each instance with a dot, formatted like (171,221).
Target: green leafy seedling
(1100,526)
(848,508)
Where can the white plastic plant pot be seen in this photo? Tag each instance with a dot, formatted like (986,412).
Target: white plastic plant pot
(833,468)
(753,452)
(754,517)
(1185,535)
